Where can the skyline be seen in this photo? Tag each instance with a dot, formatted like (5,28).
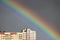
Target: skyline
(25,34)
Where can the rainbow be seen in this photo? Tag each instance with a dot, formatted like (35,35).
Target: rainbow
(30,16)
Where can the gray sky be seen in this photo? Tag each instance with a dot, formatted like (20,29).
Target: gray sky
(49,9)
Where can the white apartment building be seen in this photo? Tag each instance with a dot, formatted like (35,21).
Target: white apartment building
(29,34)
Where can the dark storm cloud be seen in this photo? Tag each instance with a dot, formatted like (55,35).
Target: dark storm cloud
(49,9)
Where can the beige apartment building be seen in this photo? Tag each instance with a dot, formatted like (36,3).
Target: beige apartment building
(26,34)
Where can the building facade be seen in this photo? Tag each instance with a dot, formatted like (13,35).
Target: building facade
(29,34)
(26,34)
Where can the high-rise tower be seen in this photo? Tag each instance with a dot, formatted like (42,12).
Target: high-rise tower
(29,34)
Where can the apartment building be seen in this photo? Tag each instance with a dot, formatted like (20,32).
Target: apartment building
(26,34)
(29,34)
